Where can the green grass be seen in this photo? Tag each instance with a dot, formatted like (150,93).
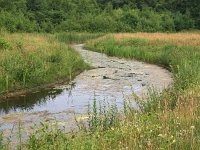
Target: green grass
(30,60)
(167,121)
(176,111)
(73,37)
(182,61)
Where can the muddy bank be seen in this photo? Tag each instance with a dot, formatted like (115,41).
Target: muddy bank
(113,79)
(22,92)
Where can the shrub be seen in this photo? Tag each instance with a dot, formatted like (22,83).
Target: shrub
(167,22)
(183,21)
(16,22)
(149,21)
(4,44)
(131,18)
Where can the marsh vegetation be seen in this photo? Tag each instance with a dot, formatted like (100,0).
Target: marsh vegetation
(31,60)
(35,51)
(165,121)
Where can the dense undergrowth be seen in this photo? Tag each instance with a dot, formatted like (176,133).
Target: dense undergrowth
(98,15)
(167,121)
(72,37)
(30,60)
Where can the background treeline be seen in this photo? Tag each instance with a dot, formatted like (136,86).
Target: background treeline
(99,15)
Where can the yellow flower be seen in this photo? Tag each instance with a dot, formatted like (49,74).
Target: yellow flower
(174,141)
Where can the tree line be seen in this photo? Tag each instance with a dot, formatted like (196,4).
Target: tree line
(99,15)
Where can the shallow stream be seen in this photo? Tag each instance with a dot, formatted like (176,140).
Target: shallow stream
(113,79)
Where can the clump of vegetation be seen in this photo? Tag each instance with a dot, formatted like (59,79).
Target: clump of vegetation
(35,60)
(73,37)
(98,16)
(4,44)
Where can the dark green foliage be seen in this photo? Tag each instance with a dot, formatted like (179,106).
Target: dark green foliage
(183,21)
(98,15)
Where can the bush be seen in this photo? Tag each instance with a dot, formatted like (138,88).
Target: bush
(183,21)
(102,23)
(69,25)
(149,21)
(4,44)
(167,22)
(16,22)
(131,18)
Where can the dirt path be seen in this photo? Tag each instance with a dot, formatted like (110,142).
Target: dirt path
(112,79)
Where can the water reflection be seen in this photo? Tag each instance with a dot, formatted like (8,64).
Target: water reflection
(31,101)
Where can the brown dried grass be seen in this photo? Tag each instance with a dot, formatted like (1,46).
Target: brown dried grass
(175,38)
(29,42)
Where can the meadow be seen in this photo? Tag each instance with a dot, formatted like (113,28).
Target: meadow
(165,121)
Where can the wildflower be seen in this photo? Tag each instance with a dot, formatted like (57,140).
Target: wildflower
(160,135)
(174,141)
(192,127)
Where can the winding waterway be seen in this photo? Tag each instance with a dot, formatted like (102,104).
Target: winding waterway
(113,79)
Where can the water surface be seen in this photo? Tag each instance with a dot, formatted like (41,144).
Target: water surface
(113,80)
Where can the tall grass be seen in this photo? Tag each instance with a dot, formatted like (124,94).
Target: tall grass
(183,61)
(29,60)
(111,128)
(166,121)
(73,37)
(176,111)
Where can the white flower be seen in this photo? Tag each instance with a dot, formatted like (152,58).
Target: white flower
(160,135)
(192,127)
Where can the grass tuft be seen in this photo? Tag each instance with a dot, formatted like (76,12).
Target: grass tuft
(37,59)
